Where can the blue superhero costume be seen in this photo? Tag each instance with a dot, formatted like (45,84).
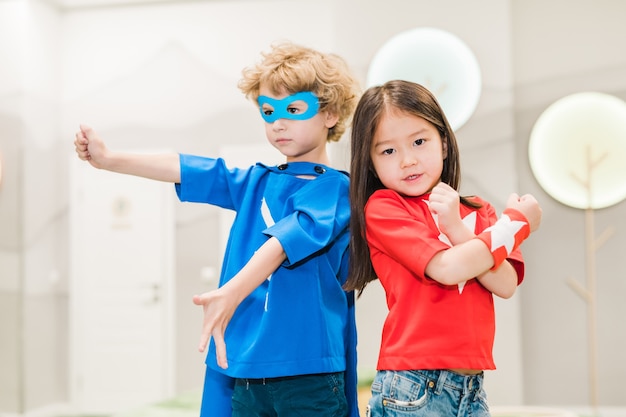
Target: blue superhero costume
(299,321)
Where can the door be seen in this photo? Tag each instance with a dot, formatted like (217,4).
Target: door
(121,251)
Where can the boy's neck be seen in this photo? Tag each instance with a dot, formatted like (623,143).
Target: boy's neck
(322,159)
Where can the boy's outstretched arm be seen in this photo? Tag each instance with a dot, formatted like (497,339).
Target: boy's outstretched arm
(160,167)
(219,305)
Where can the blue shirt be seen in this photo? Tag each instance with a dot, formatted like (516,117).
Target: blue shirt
(299,321)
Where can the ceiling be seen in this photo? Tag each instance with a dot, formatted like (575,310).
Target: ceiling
(92,4)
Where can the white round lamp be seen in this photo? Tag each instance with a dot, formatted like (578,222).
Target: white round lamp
(439,61)
(577,150)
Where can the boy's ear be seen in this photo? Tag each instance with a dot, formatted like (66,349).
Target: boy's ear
(331,120)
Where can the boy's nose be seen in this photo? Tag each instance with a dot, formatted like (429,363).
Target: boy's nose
(278,124)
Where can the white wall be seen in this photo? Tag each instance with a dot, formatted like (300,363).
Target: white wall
(560,48)
(32,208)
(10,231)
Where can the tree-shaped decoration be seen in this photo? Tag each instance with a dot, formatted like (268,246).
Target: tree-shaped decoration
(576,151)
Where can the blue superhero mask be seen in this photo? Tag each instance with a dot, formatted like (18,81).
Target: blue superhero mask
(280,108)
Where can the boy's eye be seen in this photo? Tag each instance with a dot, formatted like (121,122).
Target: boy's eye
(298,107)
(268,112)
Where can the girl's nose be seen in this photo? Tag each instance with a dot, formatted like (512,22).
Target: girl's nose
(408,159)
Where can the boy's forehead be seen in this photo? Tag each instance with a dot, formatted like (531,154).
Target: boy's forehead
(280,92)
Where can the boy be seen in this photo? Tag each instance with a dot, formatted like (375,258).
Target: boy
(280,307)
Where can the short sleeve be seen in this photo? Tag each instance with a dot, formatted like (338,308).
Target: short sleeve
(321,212)
(209,180)
(405,233)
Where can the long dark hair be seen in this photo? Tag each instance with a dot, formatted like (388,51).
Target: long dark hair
(407,97)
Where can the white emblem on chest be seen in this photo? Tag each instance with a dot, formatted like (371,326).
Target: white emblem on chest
(269,221)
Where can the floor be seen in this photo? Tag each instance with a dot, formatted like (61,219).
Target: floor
(188,405)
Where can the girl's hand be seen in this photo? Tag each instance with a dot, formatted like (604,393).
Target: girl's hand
(444,203)
(219,308)
(89,146)
(528,206)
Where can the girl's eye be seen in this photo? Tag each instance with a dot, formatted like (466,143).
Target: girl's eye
(388,151)
(419,142)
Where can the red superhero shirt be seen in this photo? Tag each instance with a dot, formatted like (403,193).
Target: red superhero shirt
(429,325)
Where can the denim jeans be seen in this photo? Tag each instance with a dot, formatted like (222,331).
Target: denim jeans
(319,395)
(427,393)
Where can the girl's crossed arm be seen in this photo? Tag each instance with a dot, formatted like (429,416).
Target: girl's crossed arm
(470,257)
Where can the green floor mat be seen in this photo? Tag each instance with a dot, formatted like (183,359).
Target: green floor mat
(184,405)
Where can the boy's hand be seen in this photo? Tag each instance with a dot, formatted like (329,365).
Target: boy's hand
(218,310)
(528,206)
(89,146)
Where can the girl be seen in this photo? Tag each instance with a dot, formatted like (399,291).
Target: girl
(439,257)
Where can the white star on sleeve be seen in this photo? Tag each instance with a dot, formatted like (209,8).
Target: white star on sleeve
(503,233)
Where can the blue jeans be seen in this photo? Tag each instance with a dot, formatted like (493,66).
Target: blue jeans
(318,395)
(427,393)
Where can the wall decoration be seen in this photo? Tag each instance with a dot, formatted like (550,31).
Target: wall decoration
(439,61)
(577,149)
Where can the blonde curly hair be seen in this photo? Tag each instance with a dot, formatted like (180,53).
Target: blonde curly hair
(290,68)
